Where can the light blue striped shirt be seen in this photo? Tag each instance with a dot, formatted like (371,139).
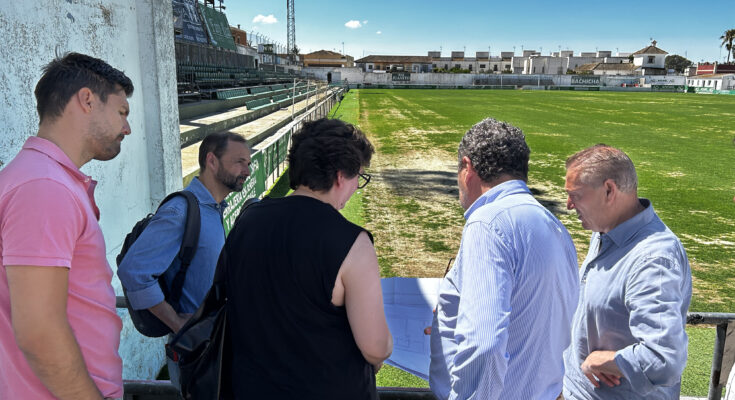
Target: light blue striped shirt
(634,295)
(505,308)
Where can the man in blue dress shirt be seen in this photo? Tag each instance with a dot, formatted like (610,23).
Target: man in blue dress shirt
(628,338)
(224,165)
(505,308)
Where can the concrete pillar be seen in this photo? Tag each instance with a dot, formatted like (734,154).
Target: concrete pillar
(135,36)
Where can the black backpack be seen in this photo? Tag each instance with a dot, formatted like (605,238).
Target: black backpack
(145,322)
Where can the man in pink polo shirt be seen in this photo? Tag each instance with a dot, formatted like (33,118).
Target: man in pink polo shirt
(59,332)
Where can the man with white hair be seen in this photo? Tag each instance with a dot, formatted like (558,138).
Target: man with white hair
(628,338)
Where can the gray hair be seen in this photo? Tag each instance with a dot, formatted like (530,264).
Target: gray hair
(601,162)
(495,148)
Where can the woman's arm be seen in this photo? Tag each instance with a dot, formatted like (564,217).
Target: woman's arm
(358,288)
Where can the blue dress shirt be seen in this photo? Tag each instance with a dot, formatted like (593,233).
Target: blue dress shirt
(158,246)
(505,308)
(634,295)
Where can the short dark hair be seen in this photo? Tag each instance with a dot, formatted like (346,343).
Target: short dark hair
(495,148)
(323,147)
(217,143)
(601,162)
(66,75)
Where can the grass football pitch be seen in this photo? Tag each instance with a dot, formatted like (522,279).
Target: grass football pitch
(682,146)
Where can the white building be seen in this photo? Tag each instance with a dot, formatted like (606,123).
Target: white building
(651,60)
(545,65)
(713,81)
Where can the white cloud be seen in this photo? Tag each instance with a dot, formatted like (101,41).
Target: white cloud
(379,32)
(262,19)
(353,24)
(364,22)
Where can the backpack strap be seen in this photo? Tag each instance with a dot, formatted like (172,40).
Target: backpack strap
(189,243)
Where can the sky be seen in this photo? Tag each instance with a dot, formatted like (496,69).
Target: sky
(416,27)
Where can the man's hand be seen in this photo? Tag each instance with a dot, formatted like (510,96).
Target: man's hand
(169,316)
(600,366)
(427,330)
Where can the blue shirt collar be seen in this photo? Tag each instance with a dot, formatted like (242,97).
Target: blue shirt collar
(202,193)
(625,231)
(498,192)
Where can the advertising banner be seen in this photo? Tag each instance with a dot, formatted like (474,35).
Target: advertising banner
(218,28)
(677,80)
(283,147)
(187,22)
(401,77)
(586,80)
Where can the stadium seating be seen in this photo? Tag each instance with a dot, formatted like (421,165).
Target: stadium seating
(218,76)
(256,104)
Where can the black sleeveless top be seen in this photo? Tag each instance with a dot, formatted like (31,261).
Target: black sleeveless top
(288,340)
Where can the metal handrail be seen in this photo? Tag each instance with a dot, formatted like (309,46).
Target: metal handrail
(721,320)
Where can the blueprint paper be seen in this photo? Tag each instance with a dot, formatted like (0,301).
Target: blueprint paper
(408,306)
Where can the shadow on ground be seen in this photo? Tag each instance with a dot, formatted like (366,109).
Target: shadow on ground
(421,183)
(418,183)
(556,206)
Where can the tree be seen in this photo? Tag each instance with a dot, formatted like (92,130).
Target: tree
(677,63)
(727,40)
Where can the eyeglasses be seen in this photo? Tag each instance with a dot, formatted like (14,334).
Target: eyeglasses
(363,180)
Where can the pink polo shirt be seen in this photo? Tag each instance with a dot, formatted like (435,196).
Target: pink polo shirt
(48,218)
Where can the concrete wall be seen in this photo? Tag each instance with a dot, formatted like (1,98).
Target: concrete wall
(355,76)
(135,36)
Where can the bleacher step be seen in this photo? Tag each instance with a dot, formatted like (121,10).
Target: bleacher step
(255,131)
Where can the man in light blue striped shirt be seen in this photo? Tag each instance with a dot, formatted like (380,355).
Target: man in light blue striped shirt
(505,308)
(628,337)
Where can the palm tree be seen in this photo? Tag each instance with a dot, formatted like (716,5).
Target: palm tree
(727,40)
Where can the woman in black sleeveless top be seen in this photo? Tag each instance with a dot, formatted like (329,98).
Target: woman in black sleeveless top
(305,310)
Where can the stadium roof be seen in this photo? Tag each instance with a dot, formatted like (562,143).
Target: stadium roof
(394,59)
